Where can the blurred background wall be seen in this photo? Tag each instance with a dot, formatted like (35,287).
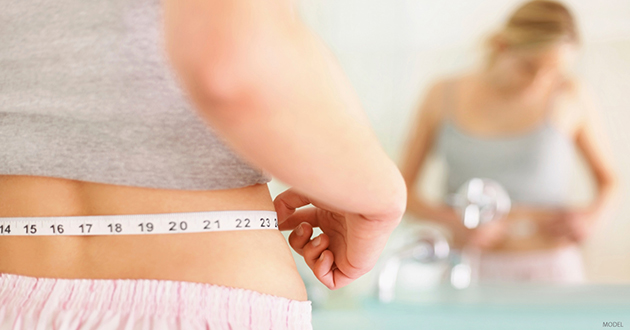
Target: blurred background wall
(392,50)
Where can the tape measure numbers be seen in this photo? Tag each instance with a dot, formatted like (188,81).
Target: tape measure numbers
(139,224)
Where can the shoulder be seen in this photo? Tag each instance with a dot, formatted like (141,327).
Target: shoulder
(574,90)
(578,96)
(576,107)
(449,84)
(438,95)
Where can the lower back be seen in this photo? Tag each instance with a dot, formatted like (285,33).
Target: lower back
(258,260)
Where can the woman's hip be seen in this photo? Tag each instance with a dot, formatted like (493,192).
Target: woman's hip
(559,265)
(47,303)
(250,258)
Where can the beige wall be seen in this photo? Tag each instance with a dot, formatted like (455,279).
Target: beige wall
(606,66)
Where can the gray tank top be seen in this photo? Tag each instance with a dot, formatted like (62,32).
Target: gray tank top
(87,93)
(534,167)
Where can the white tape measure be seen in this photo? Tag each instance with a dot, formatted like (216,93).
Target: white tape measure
(139,224)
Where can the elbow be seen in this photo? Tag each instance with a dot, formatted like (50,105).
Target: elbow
(610,189)
(225,77)
(399,204)
(609,183)
(216,83)
(414,197)
(394,202)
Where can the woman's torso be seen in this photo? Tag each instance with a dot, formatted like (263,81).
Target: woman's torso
(533,167)
(87,93)
(258,260)
(93,122)
(527,148)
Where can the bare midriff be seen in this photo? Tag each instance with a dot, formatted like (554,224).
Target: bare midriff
(258,260)
(534,242)
(536,239)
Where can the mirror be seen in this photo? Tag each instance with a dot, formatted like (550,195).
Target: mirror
(397,53)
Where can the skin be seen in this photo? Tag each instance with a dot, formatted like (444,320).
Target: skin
(275,94)
(507,98)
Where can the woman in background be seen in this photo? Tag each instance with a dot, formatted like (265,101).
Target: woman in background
(519,120)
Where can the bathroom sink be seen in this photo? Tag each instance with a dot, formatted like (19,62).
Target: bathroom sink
(512,307)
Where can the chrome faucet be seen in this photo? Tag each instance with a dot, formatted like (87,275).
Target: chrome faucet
(430,247)
(478,201)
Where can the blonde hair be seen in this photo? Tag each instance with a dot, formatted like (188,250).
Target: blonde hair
(537,24)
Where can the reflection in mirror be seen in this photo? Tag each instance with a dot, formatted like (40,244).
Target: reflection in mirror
(520,120)
(528,94)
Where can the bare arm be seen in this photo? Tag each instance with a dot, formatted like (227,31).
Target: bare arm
(591,140)
(421,138)
(274,92)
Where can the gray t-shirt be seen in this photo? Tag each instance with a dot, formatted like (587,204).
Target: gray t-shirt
(87,93)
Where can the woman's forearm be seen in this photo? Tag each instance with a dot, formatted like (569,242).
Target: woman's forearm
(273,91)
(439,213)
(605,199)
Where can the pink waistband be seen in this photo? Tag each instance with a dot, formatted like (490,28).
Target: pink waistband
(180,305)
(561,265)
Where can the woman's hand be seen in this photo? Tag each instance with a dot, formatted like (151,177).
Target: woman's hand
(349,245)
(488,235)
(572,224)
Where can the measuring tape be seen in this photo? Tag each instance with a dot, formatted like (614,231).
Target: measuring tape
(139,224)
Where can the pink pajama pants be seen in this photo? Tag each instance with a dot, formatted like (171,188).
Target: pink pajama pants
(562,265)
(64,304)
